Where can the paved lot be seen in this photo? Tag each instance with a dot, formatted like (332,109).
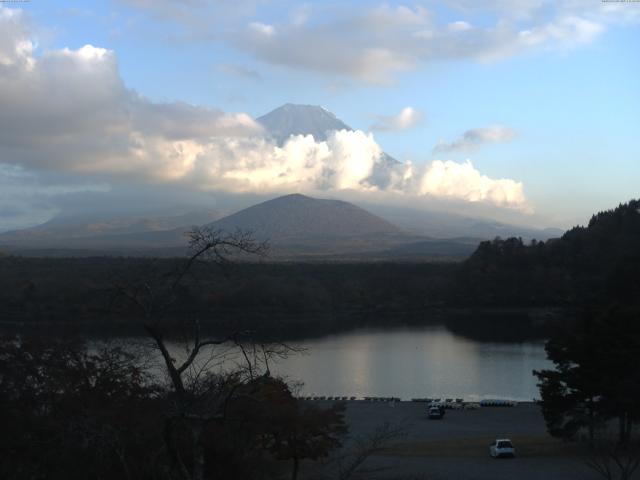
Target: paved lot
(456,447)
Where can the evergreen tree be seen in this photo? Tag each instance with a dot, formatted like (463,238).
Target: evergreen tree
(596,378)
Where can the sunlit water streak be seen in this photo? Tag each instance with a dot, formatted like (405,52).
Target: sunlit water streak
(416,362)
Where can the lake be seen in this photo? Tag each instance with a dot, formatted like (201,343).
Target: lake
(415,362)
(411,362)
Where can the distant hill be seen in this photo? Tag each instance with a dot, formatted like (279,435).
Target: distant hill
(297,217)
(87,232)
(296,226)
(301,227)
(437,224)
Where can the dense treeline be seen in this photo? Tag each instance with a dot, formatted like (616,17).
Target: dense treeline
(595,385)
(586,265)
(80,291)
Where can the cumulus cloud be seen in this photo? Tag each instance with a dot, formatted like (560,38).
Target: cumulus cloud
(474,138)
(408,118)
(347,160)
(67,112)
(344,161)
(462,180)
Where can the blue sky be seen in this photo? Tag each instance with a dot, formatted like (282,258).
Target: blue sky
(547,92)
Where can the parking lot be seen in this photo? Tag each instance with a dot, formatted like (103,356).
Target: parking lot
(457,447)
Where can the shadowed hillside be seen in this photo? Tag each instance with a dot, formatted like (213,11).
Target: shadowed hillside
(296,217)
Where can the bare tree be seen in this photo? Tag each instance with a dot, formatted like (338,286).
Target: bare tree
(198,396)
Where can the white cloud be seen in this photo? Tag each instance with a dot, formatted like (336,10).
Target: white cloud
(346,161)
(459,26)
(463,181)
(262,29)
(373,45)
(474,138)
(15,46)
(68,111)
(408,118)
(568,31)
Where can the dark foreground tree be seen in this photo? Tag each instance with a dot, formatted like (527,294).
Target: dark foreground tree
(71,413)
(596,377)
(287,428)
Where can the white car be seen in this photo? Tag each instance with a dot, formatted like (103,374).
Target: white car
(436,412)
(502,447)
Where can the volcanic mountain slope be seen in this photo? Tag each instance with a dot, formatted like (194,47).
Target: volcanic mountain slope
(290,119)
(296,218)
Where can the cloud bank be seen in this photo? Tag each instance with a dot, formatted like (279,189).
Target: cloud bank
(373,45)
(68,112)
(474,138)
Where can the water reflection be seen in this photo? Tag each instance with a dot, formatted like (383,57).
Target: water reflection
(415,362)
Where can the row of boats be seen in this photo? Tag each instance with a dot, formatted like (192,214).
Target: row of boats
(448,403)
(451,403)
(335,399)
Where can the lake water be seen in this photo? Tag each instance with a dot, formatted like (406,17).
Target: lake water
(415,362)
(412,362)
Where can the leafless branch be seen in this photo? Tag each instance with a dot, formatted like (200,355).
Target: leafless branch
(614,462)
(347,464)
